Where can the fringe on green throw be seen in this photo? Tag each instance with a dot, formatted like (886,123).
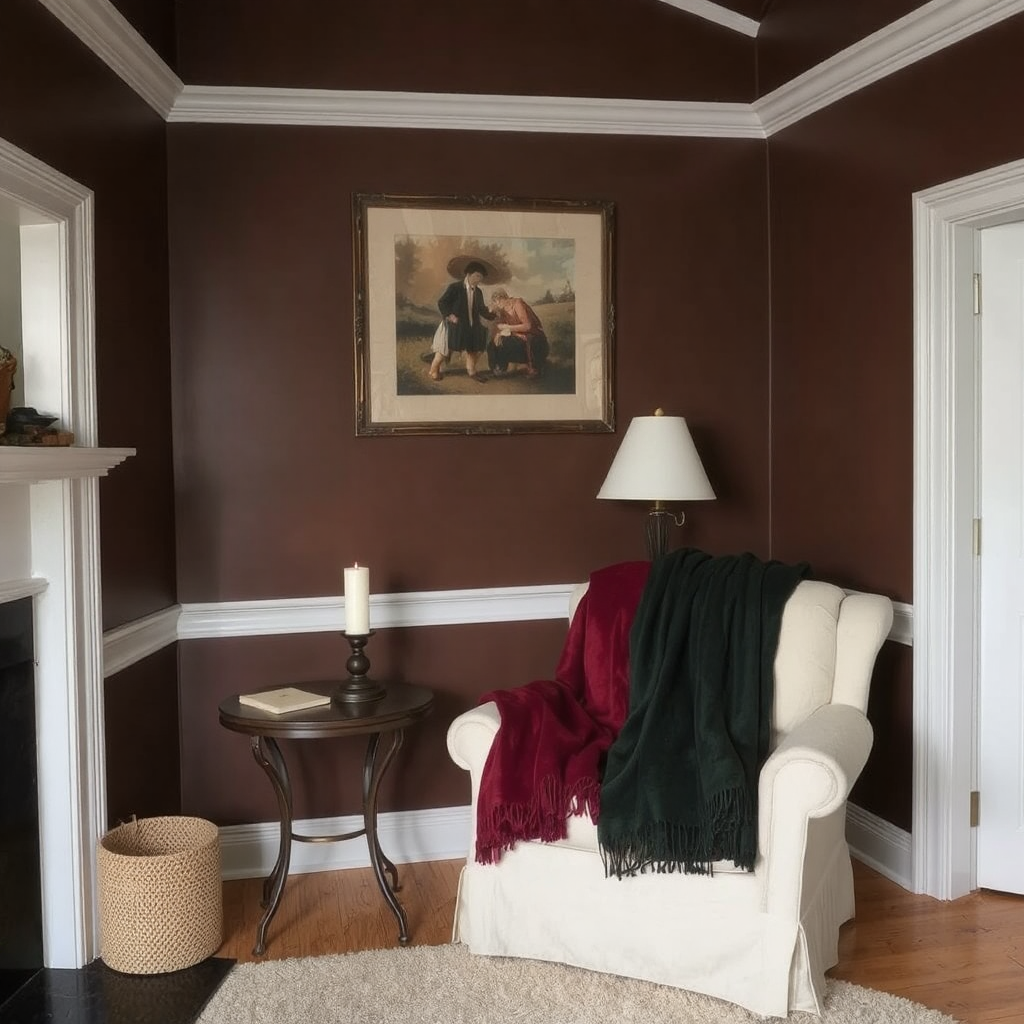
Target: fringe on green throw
(726,833)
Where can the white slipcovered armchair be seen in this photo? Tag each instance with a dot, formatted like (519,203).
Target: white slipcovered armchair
(762,939)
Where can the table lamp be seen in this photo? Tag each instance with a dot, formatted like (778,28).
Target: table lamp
(657,462)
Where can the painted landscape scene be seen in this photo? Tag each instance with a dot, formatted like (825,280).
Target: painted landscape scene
(531,276)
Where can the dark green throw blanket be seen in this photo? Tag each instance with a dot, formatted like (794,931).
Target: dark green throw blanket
(679,790)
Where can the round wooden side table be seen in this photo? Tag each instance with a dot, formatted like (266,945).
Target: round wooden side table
(401,706)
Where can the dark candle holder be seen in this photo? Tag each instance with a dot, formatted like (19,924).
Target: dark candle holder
(358,688)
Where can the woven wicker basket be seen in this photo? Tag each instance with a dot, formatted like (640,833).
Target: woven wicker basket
(161,907)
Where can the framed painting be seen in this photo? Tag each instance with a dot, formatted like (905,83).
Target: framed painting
(483,315)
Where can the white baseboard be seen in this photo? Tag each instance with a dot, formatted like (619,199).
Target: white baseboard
(442,833)
(880,845)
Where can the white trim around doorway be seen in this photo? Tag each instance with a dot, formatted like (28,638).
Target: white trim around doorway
(946,218)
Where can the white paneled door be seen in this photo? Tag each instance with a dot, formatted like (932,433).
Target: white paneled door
(1000,837)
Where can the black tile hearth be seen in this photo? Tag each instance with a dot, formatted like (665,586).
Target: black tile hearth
(21,934)
(97,995)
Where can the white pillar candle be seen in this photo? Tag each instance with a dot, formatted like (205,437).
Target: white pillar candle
(357,600)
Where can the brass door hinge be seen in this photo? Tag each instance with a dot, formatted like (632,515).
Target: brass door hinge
(975,807)
(977,294)
(976,537)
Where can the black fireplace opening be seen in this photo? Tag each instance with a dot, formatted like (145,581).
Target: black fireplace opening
(21,923)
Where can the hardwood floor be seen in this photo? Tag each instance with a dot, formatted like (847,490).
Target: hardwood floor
(341,911)
(964,957)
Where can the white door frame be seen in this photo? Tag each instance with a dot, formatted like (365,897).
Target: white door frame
(946,218)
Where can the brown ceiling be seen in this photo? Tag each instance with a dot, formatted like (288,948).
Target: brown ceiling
(640,49)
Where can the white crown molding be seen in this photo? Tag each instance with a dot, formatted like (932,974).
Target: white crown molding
(450,111)
(103,28)
(442,833)
(719,15)
(919,34)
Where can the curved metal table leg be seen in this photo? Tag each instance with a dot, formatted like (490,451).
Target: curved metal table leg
(268,757)
(373,772)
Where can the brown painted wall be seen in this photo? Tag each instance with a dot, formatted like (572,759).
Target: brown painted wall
(154,20)
(748,8)
(220,779)
(143,758)
(65,108)
(885,787)
(62,105)
(842,183)
(842,315)
(606,48)
(277,495)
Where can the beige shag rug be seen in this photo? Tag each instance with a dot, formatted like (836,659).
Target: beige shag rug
(448,985)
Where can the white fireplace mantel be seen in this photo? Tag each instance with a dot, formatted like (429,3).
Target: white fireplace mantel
(49,541)
(34,465)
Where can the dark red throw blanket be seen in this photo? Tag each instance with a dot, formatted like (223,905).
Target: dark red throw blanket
(545,762)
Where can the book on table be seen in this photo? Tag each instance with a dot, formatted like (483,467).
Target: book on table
(284,699)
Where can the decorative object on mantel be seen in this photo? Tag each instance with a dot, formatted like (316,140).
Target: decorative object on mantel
(8,364)
(26,426)
(657,462)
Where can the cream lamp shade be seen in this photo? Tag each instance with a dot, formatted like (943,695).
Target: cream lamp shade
(657,462)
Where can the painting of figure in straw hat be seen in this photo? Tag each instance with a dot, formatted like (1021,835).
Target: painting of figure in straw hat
(494,311)
(483,314)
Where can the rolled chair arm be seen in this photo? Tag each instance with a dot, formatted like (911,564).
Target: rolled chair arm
(469,742)
(817,763)
(808,776)
(470,737)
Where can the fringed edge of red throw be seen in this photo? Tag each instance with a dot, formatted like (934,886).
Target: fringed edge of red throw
(545,817)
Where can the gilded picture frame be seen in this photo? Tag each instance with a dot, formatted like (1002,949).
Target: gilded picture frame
(483,315)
